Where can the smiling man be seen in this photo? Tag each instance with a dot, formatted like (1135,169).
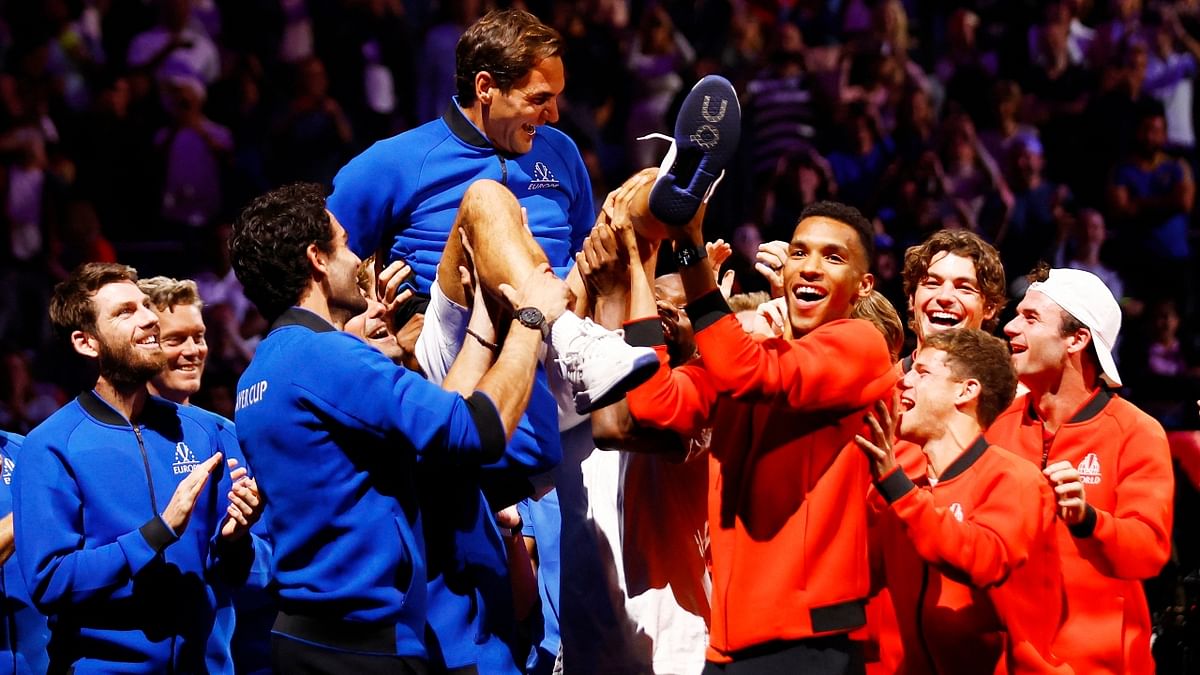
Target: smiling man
(786,513)
(1108,462)
(968,549)
(181,335)
(130,533)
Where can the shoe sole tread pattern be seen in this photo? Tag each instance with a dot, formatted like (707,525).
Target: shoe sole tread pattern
(707,132)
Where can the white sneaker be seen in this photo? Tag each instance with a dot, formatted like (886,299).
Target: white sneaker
(597,363)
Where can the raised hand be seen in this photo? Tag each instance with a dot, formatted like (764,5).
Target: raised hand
(245,504)
(882,424)
(179,510)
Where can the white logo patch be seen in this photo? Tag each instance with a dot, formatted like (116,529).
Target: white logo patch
(8,469)
(1089,470)
(184,459)
(543,177)
(956,509)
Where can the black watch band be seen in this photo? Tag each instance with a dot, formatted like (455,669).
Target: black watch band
(688,254)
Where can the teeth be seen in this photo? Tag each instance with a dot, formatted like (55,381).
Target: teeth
(809,293)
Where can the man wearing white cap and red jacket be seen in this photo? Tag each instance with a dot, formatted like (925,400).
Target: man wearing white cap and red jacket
(1108,462)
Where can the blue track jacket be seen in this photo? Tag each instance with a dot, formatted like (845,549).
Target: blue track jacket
(334,429)
(24,634)
(123,592)
(404,191)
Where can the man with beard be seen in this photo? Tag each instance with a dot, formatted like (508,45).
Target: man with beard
(131,532)
(335,429)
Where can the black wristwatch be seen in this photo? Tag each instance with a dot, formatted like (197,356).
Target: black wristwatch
(688,255)
(532,317)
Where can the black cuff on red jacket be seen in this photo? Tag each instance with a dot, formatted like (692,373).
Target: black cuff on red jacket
(157,534)
(488,425)
(706,310)
(1087,526)
(895,485)
(646,332)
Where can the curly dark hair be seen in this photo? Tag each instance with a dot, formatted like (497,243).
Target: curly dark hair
(988,268)
(848,215)
(269,244)
(974,354)
(506,44)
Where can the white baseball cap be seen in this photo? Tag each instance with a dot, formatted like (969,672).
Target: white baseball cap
(1084,296)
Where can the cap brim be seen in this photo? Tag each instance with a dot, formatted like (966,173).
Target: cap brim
(1107,365)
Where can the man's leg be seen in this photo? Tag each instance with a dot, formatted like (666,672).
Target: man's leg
(596,363)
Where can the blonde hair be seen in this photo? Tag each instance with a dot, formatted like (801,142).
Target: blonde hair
(166,292)
(879,311)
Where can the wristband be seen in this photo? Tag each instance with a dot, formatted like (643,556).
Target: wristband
(513,531)
(489,345)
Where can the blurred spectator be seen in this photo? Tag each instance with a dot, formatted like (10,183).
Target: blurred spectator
(435,77)
(194,152)
(780,109)
(1169,75)
(1006,123)
(176,36)
(915,124)
(1086,246)
(1124,23)
(1038,219)
(657,55)
(862,159)
(1079,38)
(800,178)
(1059,91)
(311,137)
(965,69)
(80,240)
(369,60)
(24,403)
(972,177)
(1150,196)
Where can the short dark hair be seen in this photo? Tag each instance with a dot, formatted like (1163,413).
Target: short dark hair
(848,215)
(71,306)
(269,244)
(972,353)
(989,271)
(505,43)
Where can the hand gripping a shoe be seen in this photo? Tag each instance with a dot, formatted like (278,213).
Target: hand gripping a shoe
(706,137)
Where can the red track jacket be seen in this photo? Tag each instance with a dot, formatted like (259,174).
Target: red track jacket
(787,517)
(1125,464)
(972,565)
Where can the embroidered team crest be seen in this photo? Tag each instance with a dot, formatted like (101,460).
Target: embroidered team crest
(543,177)
(956,509)
(8,469)
(1089,469)
(185,459)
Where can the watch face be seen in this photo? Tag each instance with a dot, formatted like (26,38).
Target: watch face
(686,257)
(531,317)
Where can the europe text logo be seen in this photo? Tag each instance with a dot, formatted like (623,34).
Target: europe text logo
(543,177)
(184,459)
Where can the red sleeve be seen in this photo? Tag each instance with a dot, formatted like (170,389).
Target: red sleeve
(994,536)
(679,399)
(840,365)
(1134,540)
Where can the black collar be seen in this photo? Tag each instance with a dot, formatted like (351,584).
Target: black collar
(154,409)
(461,127)
(297,316)
(965,460)
(1089,410)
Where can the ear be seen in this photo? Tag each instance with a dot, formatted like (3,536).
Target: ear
(484,84)
(85,343)
(316,260)
(968,391)
(989,312)
(1079,340)
(866,285)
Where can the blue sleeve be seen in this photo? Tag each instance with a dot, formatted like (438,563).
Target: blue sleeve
(369,198)
(230,562)
(535,446)
(583,209)
(49,535)
(368,392)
